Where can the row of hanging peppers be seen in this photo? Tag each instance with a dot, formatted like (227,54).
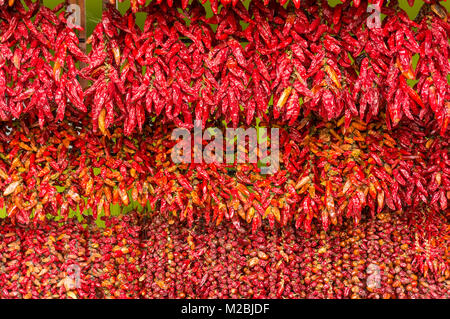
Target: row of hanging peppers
(388,257)
(328,172)
(135,4)
(267,61)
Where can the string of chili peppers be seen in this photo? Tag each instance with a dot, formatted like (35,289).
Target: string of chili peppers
(317,58)
(327,172)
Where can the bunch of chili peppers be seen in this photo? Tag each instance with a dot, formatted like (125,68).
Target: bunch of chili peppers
(356,138)
(431,238)
(38,57)
(114,257)
(317,58)
(57,260)
(132,258)
(135,4)
(327,172)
